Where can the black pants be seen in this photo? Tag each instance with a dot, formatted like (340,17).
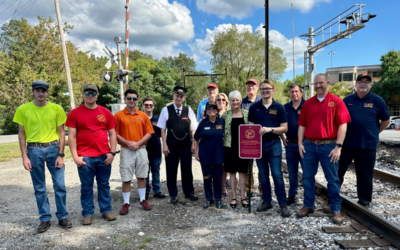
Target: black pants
(364,161)
(183,154)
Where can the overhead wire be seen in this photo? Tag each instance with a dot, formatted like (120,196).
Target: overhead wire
(21,10)
(16,9)
(31,8)
(8,7)
(3,2)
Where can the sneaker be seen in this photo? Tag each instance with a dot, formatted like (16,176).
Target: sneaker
(292,199)
(337,218)
(65,223)
(146,206)
(192,197)
(109,216)
(264,207)
(327,209)
(43,226)
(304,212)
(174,200)
(87,220)
(159,195)
(125,209)
(365,204)
(285,211)
(218,204)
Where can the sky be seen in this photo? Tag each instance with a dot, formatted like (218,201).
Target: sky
(165,28)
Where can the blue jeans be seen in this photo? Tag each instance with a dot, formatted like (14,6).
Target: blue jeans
(95,167)
(154,167)
(212,175)
(272,156)
(314,154)
(38,156)
(293,159)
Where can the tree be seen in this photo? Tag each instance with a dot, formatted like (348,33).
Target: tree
(389,85)
(242,53)
(297,79)
(341,89)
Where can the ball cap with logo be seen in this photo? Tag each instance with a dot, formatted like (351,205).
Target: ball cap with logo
(362,76)
(40,84)
(252,80)
(212,86)
(180,90)
(90,86)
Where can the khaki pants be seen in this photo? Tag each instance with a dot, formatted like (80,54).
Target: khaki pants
(252,180)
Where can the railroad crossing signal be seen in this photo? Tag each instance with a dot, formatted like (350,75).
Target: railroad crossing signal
(111,56)
(120,74)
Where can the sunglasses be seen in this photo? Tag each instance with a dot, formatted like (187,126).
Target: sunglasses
(90,93)
(211,108)
(148,105)
(131,98)
(221,100)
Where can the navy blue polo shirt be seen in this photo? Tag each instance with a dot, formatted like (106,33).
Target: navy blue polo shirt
(211,145)
(246,103)
(292,118)
(153,145)
(363,130)
(271,117)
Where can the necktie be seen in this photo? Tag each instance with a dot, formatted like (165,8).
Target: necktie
(177,112)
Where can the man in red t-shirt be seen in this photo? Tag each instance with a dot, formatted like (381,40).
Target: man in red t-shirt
(323,122)
(89,127)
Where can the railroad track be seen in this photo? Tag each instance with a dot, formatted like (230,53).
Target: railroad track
(387,232)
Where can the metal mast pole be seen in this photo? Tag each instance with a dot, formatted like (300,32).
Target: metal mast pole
(311,62)
(117,41)
(127,42)
(64,50)
(294,71)
(266,38)
(305,75)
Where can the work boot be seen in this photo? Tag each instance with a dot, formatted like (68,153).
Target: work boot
(43,226)
(304,212)
(125,209)
(285,211)
(65,223)
(174,200)
(264,207)
(292,199)
(327,209)
(109,216)
(87,220)
(159,195)
(337,218)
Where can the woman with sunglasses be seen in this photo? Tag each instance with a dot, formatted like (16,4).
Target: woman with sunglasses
(235,117)
(223,105)
(209,150)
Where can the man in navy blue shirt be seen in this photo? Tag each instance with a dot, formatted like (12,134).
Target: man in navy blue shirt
(369,116)
(293,110)
(153,148)
(252,97)
(271,115)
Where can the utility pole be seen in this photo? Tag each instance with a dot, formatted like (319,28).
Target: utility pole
(64,50)
(266,38)
(127,42)
(294,65)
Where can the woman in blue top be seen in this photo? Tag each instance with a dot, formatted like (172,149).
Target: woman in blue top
(209,148)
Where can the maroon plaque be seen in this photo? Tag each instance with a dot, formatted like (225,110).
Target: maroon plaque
(250,141)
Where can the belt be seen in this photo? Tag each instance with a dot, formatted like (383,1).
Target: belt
(321,142)
(143,146)
(293,141)
(42,145)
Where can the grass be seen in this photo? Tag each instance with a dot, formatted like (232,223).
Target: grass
(125,243)
(9,151)
(141,246)
(148,239)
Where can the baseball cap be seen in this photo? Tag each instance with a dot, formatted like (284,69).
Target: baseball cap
(252,80)
(363,75)
(40,84)
(212,85)
(90,86)
(211,104)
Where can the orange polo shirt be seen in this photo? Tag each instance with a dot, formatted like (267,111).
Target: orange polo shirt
(132,127)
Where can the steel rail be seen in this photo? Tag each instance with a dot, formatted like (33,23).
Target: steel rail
(383,175)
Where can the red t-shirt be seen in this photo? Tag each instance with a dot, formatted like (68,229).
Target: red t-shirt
(92,127)
(322,119)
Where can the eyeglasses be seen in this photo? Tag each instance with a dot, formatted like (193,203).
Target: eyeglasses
(90,93)
(221,100)
(266,89)
(148,105)
(131,98)
(363,82)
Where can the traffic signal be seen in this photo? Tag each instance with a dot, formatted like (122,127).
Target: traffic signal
(121,74)
(106,77)
(135,76)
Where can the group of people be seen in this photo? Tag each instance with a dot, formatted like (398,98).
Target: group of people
(323,130)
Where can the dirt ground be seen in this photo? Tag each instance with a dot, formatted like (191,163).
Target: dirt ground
(183,226)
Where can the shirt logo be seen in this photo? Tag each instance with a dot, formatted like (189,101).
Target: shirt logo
(350,103)
(298,112)
(205,128)
(154,123)
(250,134)
(331,104)
(273,112)
(101,118)
(185,118)
(368,105)
(219,126)
(139,119)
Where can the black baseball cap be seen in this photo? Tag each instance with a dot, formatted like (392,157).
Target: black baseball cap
(180,90)
(40,84)
(211,104)
(362,76)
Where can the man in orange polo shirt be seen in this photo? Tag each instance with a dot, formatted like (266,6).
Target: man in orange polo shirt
(323,121)
(133,129)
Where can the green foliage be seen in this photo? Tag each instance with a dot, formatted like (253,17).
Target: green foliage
(297,79)
(341,89)
(389,85)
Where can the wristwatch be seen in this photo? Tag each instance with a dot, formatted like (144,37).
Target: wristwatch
(272,130)
(61,154)
(113,153)
(339,145)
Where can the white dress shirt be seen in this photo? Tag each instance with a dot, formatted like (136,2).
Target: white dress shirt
(162,120)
